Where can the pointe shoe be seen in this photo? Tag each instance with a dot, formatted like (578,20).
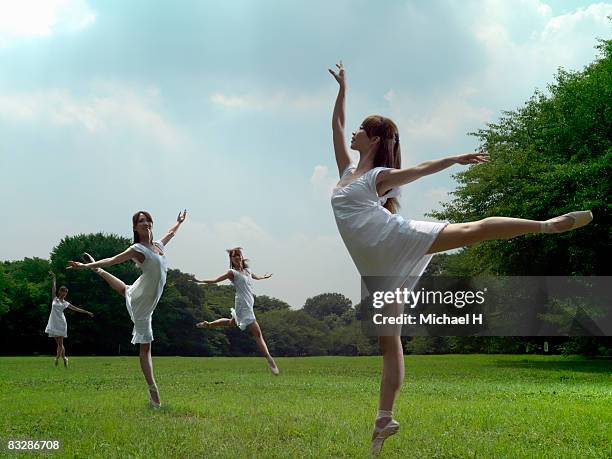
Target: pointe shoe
(581,218)
(273,368)
(381,434)
(65,362)
(153,389)
(204,324)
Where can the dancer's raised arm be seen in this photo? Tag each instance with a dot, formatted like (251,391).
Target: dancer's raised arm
(342,156)
(128,254)
(53,286)
(77,309)
(265,276)
(227,275)
(387,180)
(172,231)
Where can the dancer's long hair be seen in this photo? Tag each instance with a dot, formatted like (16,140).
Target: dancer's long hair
(135,222)
(244,261)
(388,154)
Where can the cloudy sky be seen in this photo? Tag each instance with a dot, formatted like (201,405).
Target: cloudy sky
(224,108)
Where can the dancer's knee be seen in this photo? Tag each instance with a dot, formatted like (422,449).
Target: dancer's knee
(145,349)
(390,344)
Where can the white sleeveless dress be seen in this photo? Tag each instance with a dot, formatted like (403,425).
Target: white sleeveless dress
(57,326)
(142,296)
(243,313)
(379,242)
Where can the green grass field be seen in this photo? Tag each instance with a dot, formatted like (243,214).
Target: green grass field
(450,406)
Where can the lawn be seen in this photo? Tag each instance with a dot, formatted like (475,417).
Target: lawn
(450,406)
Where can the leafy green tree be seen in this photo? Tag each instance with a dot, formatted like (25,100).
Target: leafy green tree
(264,303)
(294,333)
(110,331)
(551,156)
(326,304)
(6,291)
(350,340)
(26,312)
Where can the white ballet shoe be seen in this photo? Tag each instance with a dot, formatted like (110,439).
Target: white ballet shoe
(381,434)
(89,259)
(204,324)
(153,389)
(65,362)
(273,368)
(580,218)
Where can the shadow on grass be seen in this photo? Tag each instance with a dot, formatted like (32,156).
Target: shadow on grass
(561,364)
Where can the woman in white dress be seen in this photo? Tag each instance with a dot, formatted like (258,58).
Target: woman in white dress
(242,314)
(382,243)
(57,327)
(142,297)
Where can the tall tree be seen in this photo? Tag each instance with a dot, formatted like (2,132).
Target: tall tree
(549,157)
(327,304)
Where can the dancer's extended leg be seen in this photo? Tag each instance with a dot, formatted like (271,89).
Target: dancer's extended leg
(456,235)
(117,284)
(217,323)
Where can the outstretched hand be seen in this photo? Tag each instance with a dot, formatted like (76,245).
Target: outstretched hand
(339,76)
(472,158)
(267,275)
(181,216)
(76,265)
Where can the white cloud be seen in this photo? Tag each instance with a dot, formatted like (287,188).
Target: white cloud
(390,95)
(322,182)
(110,107)
(275,101)
(566,23)
(34,18)
(523,45)
(566,40)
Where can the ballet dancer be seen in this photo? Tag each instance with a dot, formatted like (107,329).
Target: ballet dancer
(57,327)
(142,296)
(382,243)
(242,314)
